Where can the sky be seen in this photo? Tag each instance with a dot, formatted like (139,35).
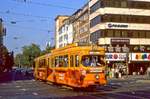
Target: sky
(33,21)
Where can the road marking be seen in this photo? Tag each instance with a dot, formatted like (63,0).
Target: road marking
(18,86)
(34,93)
(4,84)
(23,89)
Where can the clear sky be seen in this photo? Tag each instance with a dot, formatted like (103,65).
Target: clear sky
(32,21)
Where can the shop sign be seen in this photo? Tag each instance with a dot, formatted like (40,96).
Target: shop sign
(140,56)
(120,41)
(114,25)
(115,56)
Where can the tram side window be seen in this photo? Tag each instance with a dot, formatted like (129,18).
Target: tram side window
(42,63)
(65,61)
(71,61)
(77,61)
(57,62)
(52,62)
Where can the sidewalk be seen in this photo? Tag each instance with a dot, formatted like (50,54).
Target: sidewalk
(131,77)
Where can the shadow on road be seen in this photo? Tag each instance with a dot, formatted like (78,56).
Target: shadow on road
(14,76)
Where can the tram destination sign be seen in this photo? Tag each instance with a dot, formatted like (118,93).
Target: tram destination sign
(120,41)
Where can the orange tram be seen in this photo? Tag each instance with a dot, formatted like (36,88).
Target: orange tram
(74,65)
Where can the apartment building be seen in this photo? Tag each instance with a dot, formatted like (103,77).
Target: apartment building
(123,28)
(80,21)
(65,33)
(59,22)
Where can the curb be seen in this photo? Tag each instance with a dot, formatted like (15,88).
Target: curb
(143,81)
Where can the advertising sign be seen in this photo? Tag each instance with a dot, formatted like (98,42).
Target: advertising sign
(115,56)
(140,56)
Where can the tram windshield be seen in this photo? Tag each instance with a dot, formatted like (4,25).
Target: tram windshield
(93,60)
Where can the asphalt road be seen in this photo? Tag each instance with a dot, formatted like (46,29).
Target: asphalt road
(16,86)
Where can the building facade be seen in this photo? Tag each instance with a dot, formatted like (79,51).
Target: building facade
(80,21)
(123,28)
(59,22)
(2,31)
(65,33)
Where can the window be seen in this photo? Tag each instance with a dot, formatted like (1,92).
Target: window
(141,34)
(147,34)
(110,33)
(117,33)
(95,36)
(60,39)
(77,61)
(124,34)
(123,4)
(135,34)
(71,61)
(96,6)
(95,21)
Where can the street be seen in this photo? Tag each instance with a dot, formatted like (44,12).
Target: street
(22,87)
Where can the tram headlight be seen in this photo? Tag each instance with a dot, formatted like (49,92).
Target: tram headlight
(97,77)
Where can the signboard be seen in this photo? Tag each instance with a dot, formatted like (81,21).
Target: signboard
(115,56)
(117,25)
(140,56)
(120,41)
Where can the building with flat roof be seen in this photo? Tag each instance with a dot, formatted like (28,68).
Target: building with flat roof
(123,28)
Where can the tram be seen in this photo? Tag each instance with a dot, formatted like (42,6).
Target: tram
(76,65)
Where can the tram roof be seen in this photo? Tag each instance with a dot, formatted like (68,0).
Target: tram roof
(77,46)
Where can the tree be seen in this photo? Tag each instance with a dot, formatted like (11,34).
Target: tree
(28,54)
(47,49)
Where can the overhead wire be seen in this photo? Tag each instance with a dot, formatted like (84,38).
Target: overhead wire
(45,4)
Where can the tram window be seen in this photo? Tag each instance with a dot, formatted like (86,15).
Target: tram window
(52,62)
(42,63)
(93,60)
(77,61)
(65,61)
(71,61)
(57,61)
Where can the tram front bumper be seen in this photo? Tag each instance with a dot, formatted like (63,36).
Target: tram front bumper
(94,79)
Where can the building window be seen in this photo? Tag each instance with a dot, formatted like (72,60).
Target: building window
(117,33)
(141,34)
(96,6)
(95,21)
(123,4)
(124,34)
(147,34)
(110,33)
(135,34)
(95,36)
(60,39)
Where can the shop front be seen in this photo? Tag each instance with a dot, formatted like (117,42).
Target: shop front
(139,63)
(116,62)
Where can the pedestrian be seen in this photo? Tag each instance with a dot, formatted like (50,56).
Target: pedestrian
(112,72)
(116,72)
(148,71)
(141,71)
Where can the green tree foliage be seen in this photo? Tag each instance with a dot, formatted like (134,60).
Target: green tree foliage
(28,54)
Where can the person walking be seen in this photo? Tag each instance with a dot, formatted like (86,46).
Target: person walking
(148,71)
(141,70)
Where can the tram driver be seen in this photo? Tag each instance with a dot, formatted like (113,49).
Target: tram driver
(86,61)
